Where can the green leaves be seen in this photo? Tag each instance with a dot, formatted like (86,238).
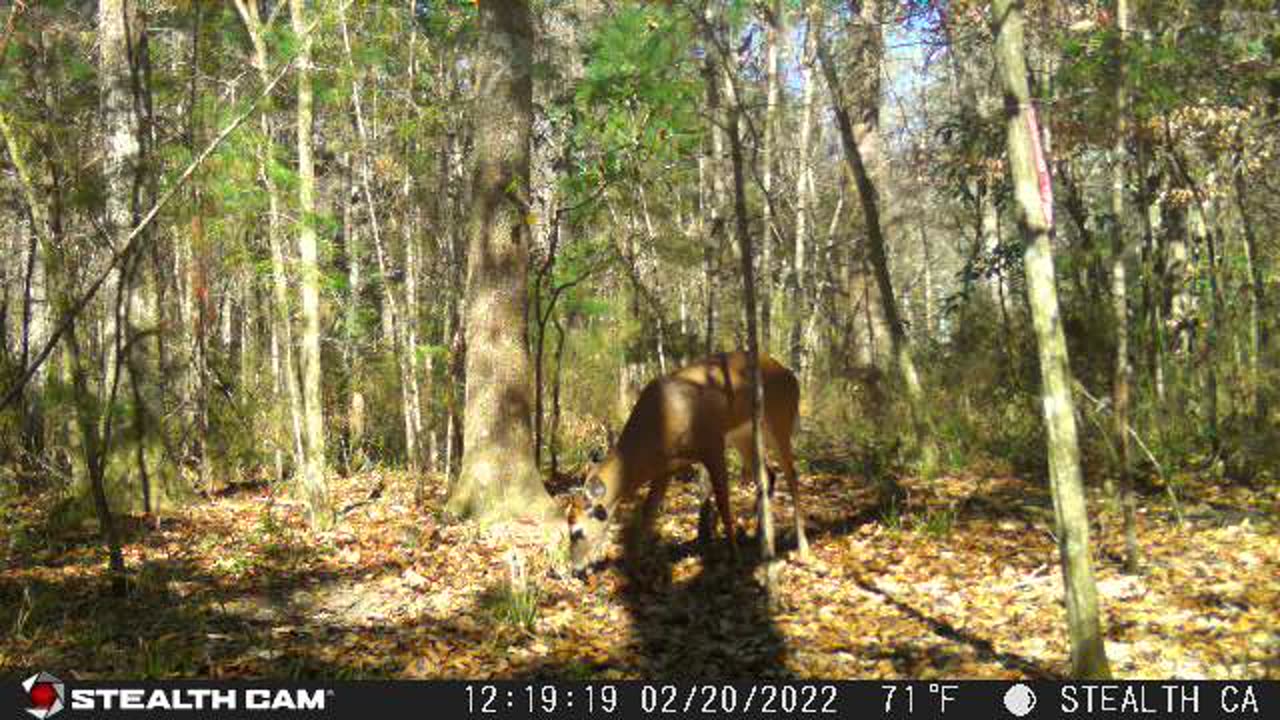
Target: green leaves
(639,97)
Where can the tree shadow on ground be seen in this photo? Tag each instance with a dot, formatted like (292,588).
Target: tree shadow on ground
(983,647)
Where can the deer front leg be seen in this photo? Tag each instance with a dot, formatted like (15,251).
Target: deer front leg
(652,504)
(720,485)
(644,556)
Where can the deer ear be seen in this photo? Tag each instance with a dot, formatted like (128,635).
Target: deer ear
(596,455)
(600,513)
(595,488)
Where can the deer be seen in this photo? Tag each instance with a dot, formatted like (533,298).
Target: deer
(685,418)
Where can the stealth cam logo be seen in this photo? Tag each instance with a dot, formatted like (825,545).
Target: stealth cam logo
(46,693)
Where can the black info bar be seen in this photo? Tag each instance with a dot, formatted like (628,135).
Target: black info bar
(46,695)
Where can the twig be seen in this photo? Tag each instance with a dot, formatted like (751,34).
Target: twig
(1101,407)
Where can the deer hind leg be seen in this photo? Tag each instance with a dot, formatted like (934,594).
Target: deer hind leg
(714,462)
(783,448)
(706,513)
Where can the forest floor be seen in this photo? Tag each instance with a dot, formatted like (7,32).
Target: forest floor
(962,581)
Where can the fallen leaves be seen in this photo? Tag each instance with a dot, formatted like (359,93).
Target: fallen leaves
(239,587)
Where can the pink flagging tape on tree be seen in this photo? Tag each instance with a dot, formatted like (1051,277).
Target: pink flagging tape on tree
(1042,167)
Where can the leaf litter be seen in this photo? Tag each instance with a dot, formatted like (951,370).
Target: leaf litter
(236,586)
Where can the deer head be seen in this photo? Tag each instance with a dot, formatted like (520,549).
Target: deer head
(588,523)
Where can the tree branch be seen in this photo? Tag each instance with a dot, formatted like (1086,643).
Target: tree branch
(131,241)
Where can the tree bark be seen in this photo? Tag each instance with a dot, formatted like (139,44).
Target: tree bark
(499,479)
(775,33)
(713,170)
(798,278)
(315,485)
(1259,345)
(742,231)
(1120,255)
(1034,197)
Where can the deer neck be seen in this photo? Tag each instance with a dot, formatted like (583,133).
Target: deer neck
(623,472)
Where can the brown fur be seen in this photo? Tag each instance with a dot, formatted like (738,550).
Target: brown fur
(684,418)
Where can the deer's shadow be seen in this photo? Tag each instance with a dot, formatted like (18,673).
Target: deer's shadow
(716,624)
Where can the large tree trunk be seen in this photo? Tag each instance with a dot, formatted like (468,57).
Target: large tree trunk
(499,478)
(314,484)
(863,152)
(121,39)
(1034,196)
(117,34)
(117,28)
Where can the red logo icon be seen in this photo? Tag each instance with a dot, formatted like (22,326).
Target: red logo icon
(47,694)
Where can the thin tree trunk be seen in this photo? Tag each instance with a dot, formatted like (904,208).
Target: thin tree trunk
(351,323)
(798,277)
(413,399)
(862,153)
(756,464)
(1259,358)
(775,33)
(282,365)
(927,295)
(1034,195)
(404,340)
(94,456)
(555,399)
(453,335)
(410,226)
(714,168)
(1120,254)
(1152,262)
(34,334)
(314,483)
